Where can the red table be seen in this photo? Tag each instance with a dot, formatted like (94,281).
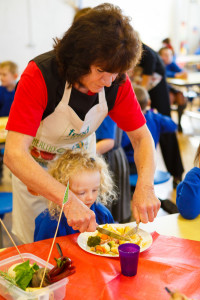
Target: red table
(170,261)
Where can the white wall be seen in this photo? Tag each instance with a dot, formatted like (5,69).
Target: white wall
(27,27)
(188,23)
(149,17)
(159,19)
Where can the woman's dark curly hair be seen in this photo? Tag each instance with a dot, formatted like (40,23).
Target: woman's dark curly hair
(101,37)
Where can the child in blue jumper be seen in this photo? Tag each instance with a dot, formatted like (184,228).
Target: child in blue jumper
(188,192)
(156,123)
(8,77)
(173,70)
(89,179)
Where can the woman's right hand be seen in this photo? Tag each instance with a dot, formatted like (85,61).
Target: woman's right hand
(78,215)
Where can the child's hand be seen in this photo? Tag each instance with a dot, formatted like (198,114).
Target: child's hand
(154,110)
(198,67)
(182,75)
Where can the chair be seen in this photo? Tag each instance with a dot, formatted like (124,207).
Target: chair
(190,95)
(5,207)
(159,177)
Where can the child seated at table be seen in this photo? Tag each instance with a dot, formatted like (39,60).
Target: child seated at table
(156,123)
(188,192)
(168,44)
(89,179)
(174,71)
(8,77)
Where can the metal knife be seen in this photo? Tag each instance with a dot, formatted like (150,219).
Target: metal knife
(112,234)
(133,231)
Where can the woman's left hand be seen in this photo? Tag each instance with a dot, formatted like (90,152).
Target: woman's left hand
(78,215)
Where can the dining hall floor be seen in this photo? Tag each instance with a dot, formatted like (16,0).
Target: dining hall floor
(188,142)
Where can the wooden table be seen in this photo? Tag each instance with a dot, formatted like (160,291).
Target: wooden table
(175,225)
(193,79)
(170,261)
(183,60)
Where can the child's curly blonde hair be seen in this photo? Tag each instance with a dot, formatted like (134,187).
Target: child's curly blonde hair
(75,161)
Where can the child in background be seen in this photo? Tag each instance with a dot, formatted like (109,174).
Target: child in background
(174,71)
(105,136)
(8,77)
(188,192)
(168,44)
(156,122)
(89,179)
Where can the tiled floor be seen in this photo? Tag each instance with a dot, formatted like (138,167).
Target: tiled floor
(188,141)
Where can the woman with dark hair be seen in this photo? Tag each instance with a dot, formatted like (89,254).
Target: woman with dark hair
(61,99)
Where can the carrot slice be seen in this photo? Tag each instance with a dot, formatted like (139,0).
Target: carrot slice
(101,249)
(104,237)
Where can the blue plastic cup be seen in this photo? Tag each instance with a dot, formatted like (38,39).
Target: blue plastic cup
(129,255)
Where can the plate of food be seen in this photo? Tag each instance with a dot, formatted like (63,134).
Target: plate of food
(101,244)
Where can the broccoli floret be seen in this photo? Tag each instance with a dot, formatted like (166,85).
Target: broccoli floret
(93,241)
(111,244)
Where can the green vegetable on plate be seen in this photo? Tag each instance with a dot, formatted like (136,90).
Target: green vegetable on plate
(93,241)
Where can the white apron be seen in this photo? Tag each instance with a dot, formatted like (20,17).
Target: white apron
(60,130)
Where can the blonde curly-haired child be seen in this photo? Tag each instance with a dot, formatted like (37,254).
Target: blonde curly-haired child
(89,179)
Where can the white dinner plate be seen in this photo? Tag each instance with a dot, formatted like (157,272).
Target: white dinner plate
(83,237)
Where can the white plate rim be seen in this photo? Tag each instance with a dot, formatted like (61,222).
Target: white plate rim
(82,240)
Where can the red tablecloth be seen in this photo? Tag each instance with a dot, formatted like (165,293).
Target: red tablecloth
(170,261)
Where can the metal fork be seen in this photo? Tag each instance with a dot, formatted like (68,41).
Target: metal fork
(133,231)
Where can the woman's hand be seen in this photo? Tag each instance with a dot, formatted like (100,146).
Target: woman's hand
(145,204)
(78,215)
